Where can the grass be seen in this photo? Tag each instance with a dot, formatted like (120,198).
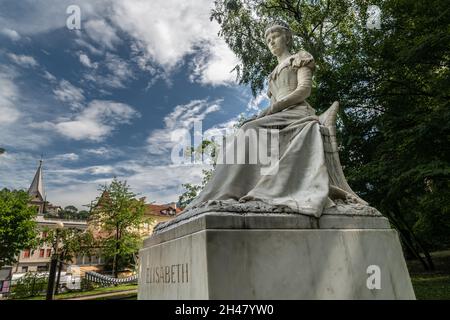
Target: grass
(432,285)
(128,296)
(96,291)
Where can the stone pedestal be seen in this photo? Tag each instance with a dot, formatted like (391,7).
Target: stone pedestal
(274,256)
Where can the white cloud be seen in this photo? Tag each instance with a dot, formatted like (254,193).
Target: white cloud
(84,59)
(97,120)
(102,151)
(221,129)
(13,136)
(82,129)
(178,123)
(66,157)
(99,170)
(50,77)
(168,30)
(76,193)
(115,72)
(165,31)
(17,169)
(157,183)
(12,34)
(90,47)
(67,92)
(8,115)
(38,16)
(120,69)
(214,65)
(103,33)
(23,60)
(256,103)
(9,94)
(163,183)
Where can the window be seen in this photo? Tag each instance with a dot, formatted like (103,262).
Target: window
(44,234)
(49,252)
(4,286)
(25,269)
(26,253)
(41,253)
(42,268)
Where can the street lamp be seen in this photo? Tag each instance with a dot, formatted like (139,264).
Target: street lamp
(53,263)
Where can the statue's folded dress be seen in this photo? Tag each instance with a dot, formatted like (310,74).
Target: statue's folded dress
(299,179)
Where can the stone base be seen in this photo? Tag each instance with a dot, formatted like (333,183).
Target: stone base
(231,256)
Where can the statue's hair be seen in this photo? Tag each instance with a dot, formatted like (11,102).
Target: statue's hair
(279,25)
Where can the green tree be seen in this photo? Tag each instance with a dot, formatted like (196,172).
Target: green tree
(69,243)
(69,212)
(29,285)
(393,85)
(119,215)
(17,225)
(190,193)
(83,215)
(406,170)
(191,190)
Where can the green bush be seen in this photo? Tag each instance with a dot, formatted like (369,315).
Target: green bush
(29,285)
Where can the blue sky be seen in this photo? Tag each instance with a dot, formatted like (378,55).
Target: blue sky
(107,100)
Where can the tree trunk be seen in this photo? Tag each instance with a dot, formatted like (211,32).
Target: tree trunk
(114,269)
(419,243)
(58,277)
(406,237)
(33,286)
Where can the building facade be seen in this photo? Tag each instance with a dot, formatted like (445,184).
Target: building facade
(38,259)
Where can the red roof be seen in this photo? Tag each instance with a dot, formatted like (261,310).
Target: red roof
(158,209)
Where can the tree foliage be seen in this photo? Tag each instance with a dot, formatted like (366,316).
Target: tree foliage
(29,285)
(72,213)
(393,85)
(69,243)
(72,242)
(17,225)
(118,215)
(192,190)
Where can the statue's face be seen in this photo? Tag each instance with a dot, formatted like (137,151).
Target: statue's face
(277,42)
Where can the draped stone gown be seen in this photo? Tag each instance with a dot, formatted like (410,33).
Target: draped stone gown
(300,180)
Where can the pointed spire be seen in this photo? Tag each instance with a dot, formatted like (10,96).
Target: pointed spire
(37,186)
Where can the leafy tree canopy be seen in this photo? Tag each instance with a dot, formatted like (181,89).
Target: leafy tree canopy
(17,225)
(119,216)
(393,85)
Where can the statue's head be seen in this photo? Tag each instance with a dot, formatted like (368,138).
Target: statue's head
(278,37)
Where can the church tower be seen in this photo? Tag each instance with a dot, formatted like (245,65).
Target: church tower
(36,190)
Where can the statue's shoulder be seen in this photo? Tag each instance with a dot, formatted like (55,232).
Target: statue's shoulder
(295,61)
(302,59)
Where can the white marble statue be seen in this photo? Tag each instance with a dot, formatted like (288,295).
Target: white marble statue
(309,176)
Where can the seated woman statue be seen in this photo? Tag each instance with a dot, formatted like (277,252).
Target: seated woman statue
(301,181)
